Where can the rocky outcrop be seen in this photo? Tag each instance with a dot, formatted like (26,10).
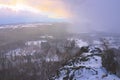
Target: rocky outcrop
(87,66)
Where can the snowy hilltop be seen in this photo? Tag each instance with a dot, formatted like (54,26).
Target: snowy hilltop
(86,66)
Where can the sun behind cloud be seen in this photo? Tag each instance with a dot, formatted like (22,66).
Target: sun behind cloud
(49,8)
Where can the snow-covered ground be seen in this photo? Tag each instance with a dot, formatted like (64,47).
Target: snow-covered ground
(87,67)
(22,25)
(35,43)
(47,36)
(79,42)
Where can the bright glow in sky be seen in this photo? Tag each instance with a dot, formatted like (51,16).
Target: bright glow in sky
(20,7)
(49,8)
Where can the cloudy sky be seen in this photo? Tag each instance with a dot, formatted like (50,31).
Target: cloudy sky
(32,10)
(94,15)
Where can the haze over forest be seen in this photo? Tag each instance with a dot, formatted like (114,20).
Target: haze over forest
(84,15)
(59,40)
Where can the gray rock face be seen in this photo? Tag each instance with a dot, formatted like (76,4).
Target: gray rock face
(111,61)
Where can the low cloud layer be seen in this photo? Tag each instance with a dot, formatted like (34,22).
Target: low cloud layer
(85,15)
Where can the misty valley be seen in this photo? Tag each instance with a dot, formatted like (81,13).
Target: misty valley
(47,51)
(59,40)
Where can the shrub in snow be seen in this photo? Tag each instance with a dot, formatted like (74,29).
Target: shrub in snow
(111,61)
(84,49)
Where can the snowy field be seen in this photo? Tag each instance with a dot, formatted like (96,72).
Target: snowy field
(36,48)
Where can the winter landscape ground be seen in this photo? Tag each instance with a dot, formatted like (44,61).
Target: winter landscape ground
(45,51)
